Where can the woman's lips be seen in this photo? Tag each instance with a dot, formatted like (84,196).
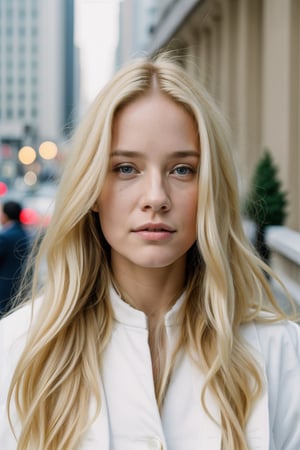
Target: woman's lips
(154,231)
(154,235)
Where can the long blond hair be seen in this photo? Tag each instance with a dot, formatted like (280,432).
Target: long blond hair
(59,370)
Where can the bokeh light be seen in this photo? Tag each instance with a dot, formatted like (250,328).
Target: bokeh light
(48,150)
(30,178)
(29,217)
(3,188)
(27,155)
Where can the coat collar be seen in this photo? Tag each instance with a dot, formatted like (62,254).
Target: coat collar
(257,430)
(127,315)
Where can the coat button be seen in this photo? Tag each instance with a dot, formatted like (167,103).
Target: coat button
(155,444)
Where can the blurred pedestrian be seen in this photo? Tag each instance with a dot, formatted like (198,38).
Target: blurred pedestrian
(14,249)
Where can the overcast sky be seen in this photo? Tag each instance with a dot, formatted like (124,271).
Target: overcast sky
(96,34)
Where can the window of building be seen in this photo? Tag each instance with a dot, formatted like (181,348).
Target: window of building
(21,97)
(34,48)
(22,13)
(9,64)
(21,63)
(34,64)
(9,12)
(9,30)
(22,80)
(21,113)
(34,96)
(9,113)
(34,112)
(22,31)
(34,31)
(9,80)
(34,12)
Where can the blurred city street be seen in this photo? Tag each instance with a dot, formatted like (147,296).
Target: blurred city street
(56,55)
(37,204)
(45,86)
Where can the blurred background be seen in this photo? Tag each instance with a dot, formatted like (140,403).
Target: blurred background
(56,55)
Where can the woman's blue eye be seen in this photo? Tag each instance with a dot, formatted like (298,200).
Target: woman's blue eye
(183,170)
(125,169)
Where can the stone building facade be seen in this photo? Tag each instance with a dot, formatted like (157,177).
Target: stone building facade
(247,52)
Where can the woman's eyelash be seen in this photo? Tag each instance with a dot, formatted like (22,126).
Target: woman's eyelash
(125,169)
(184,170)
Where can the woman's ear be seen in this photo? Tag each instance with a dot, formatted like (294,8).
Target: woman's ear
(95,208)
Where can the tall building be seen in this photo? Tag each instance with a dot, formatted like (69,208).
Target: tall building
(36,73)
(137,19)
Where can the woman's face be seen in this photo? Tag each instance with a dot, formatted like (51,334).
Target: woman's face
(148,205)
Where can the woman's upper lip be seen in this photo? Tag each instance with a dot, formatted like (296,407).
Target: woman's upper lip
(152,226)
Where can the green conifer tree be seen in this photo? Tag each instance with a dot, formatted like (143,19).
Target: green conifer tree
(266,203)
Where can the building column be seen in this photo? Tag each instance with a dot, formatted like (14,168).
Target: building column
(216,33)
(228,57)
(204,56)
(280,87)
(192,55)
(294,166)
(248,88)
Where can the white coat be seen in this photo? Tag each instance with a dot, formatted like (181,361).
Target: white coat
(129,418)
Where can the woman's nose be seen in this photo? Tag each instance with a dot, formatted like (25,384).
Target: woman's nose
(155,194)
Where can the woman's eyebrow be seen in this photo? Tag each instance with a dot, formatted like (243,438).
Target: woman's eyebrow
(185,154)
(175,154)
(128,153)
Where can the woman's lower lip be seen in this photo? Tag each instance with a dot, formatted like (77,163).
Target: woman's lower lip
(154,235)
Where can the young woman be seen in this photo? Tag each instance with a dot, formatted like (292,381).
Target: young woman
(156,327)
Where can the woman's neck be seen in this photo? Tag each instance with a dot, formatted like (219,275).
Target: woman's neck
(153,291)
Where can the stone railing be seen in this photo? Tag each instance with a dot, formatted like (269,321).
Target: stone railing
(284,244)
